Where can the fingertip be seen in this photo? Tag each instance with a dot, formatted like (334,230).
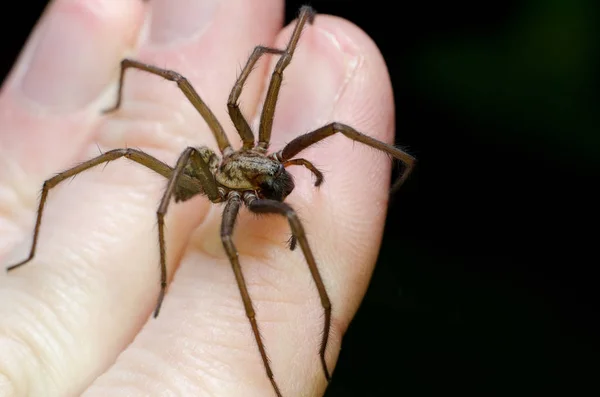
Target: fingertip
(366,100)
(337,74)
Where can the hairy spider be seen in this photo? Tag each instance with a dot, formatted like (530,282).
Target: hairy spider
(249,175)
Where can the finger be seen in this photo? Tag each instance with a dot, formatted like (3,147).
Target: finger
(202,342)
(95,276)
(46,111)
(49,101)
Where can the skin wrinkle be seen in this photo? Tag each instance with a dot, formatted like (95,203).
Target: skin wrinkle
(18,376)
(239,349)
(233,313)
(34,303)
(258,285)
(173,371)
(140,355)
(38,350)
(231,309)
(143,375)
(75,284)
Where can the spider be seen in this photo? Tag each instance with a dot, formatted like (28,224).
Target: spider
(249,176)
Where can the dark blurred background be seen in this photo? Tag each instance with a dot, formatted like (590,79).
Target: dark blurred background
(484,285)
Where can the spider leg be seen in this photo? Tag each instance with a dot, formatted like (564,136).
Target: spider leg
(209,187)
(132,154)
(265,206)
(318,174)
(307,14)
(189,91)
(303,141)
(229,216)
(203,183)
(239,121)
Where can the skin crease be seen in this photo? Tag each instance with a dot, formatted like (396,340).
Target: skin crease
(75,320)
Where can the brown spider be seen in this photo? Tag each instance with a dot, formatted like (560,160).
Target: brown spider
(249,175)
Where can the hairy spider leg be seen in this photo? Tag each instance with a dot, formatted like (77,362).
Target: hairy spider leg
(307,14)
(265,206)
(186,87)
(239,121)
(303,141)
(132,154)
(227,224)
(209,187)
(204,184)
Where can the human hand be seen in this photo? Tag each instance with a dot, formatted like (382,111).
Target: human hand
(74,321)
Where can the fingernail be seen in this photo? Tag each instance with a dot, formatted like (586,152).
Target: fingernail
(68,68)
(178,20)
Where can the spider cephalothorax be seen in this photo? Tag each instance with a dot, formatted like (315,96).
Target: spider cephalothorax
(252,170)
(247,176)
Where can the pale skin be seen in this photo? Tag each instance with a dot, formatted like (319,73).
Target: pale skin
(76,320)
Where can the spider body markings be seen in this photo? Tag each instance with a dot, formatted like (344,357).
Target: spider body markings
(249,176)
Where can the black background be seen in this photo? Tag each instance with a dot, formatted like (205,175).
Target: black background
(484,285)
